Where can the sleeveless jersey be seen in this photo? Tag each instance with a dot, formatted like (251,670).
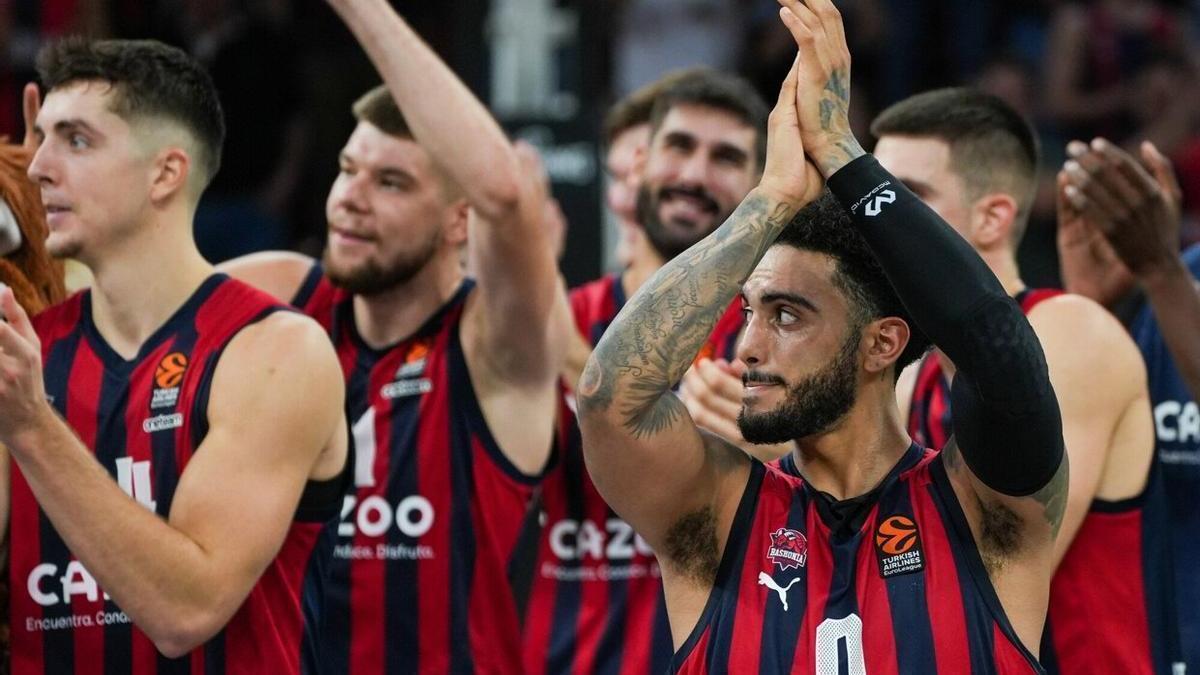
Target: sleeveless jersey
(903,592)
(419,577)
(596,602)
(1177,430)
(1110,598)
(143,419)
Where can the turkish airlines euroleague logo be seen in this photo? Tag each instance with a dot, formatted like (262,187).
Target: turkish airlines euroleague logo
(169,373)
(168,376)
(898,547)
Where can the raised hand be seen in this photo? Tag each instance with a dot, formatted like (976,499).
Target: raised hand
(31,105)
(1138,213)
(823,91)
(22,393)
(785,175)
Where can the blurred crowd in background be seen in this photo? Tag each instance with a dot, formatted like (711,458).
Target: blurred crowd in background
(287,72)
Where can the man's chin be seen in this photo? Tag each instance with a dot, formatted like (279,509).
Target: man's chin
(62,248)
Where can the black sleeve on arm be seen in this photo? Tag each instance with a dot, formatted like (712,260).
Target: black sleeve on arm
(1006,417)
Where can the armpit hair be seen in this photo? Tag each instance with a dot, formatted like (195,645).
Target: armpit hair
(691,546)
(1001,530)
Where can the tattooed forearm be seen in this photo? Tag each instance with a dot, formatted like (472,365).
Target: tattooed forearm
(655,337)
(839,146)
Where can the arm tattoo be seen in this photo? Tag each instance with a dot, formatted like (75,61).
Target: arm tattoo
(1053,497)
(835,119)
(655,337)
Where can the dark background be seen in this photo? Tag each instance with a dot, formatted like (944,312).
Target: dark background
(288,72)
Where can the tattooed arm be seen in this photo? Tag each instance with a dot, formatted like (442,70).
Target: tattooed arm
(1006,419)
(643,451)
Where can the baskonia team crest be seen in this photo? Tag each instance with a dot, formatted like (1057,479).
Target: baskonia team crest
(788,549)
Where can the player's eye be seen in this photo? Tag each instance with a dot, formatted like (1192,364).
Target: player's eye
(78,141)
(786,317)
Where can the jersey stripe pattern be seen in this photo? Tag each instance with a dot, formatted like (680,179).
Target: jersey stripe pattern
(144,419)
(905,592)
(1177,428)
(419,577)
(1111,597)
(596,603)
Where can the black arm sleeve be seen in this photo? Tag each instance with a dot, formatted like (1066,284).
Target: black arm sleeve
(1006,417)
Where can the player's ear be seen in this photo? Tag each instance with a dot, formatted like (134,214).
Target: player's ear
(638,167)
(455,225)
(170,173)
(884,341)
(994,216)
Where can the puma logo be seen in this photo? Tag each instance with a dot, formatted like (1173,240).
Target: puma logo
(765,579)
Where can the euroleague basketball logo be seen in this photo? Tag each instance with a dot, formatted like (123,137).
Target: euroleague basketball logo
(788,549)
(170,370)
(409,380)
(898,545)
(167,378)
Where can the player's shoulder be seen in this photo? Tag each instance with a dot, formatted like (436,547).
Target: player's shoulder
(60,316)
(282,274)
(284,326)
(253,358)
(1075,329)
(1074,313)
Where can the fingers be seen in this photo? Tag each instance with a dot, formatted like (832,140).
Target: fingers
(803,35)
(15,315)
(1163,171)
(724,427)
(1082,173)
(831,20)
(1129,180)
(16,353)
(712,389)
(31,105)
(786,105)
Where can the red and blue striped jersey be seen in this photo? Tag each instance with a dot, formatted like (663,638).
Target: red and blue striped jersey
(898,589)
(596,603)
(419,581)
(1111,606)
(143,419)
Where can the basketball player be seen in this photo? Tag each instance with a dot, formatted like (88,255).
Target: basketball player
(174,468)
(973,160)
(596,600)
(837,558)
(1119,227)
(452,384)
(626,135)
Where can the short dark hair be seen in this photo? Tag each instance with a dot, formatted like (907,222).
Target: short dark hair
(149,80)
(378,108)
(992,147)
(714,89)
(636,108)
(824,227)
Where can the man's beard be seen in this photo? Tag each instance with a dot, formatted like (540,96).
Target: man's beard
(372,278)
(668,241)
(812,406)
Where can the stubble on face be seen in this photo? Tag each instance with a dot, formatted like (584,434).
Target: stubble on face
(813,405)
